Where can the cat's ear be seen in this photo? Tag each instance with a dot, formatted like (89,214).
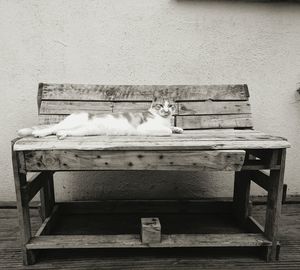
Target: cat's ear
(153,101)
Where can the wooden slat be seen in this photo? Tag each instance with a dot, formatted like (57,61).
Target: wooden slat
(131,106)
(146,206)
(274,203)
(68,107)
(200,140)
(214,121)
(134,241)
(222,160)
(54,107)
(210,107)
(51,119)
(144,92)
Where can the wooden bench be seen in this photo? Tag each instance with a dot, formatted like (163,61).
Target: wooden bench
(218,136)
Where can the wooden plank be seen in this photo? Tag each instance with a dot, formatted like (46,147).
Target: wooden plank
(146,206)
(222,160)
(50,119)
(210,107)
(134,241)
(131,106)
(68,107)
(274,205)
(57,107)
(261,179)
(144,92)
(47,195)
(23,208)
(194,140)
(241,196)
(214,121)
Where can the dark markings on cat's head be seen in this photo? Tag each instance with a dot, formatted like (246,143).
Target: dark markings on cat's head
(163,107)
(128,116)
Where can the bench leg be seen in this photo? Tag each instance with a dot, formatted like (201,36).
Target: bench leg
(23,210)
(274,205)
(241,195)
(47,196)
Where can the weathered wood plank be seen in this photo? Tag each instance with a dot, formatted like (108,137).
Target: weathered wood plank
(223,160)
(47,195)
(214,121)
(210,107)
(131,106)
(144,92)
(68,107)
(274,204)
(241,196)
(22,207)
(49,119)
(134,241)
(190,139)
(57,107)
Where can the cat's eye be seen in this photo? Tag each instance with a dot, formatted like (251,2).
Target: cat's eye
(158,106)
(171,106)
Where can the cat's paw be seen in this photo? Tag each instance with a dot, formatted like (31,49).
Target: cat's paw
(177,130)
(61,134)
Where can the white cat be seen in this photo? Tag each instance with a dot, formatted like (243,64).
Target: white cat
(154,122)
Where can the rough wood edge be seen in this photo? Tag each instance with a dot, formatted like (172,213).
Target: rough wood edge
(134,241)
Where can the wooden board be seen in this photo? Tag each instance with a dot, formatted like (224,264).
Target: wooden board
(210,107)
(214,121)
(56,107)
(189,140)
(142,92)
(64,160)
(133,241)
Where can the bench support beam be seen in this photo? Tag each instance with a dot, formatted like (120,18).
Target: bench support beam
(23,208)
(274,204)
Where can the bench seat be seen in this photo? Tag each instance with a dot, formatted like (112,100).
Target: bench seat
(190,140)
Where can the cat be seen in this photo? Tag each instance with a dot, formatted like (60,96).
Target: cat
(154,122)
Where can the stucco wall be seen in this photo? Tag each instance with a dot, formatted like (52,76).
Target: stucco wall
(150,42)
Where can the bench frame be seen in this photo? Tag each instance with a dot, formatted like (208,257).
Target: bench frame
(200,107)
(267,236)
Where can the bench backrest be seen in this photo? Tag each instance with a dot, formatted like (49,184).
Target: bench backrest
(198,106)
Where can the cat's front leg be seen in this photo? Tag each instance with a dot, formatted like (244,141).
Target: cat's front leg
(177,130)
(43,132)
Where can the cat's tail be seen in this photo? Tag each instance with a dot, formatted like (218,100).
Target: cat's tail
(25,132)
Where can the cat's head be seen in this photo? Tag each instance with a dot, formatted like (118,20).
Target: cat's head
(163,107)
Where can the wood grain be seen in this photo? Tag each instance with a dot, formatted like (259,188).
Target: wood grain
(189,140)
(133,241)
(221,160)
(143,92)
(210,107)
(214,121)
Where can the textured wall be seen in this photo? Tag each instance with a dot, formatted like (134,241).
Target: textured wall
(150,42)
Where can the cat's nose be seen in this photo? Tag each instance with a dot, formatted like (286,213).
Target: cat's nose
(166,110)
